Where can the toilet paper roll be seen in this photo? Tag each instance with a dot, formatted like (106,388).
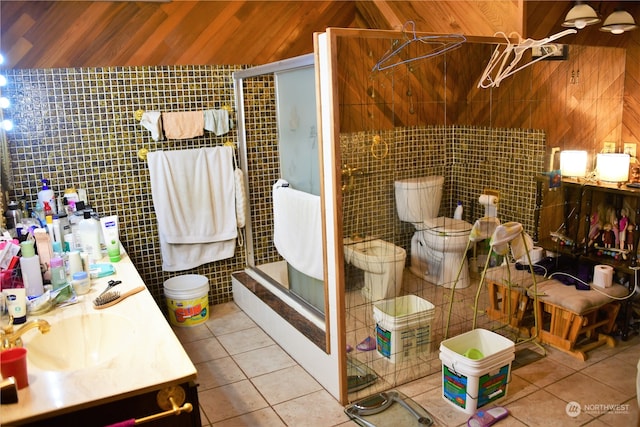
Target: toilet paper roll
(603,276)
(488,200)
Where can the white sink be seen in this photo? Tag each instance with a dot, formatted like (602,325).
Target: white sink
(81,342)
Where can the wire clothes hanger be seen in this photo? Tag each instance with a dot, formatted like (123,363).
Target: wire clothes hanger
(441,44)
(501,55)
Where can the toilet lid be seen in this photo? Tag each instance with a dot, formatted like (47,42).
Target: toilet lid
(446,225)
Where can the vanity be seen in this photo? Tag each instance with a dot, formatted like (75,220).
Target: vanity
(100,367)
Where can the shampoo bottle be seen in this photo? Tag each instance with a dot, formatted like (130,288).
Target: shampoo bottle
(89,232)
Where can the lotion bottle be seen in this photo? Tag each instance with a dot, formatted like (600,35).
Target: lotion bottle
(89,232)
(47,195)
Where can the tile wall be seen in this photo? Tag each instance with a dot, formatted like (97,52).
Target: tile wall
(76,127)
(470,158)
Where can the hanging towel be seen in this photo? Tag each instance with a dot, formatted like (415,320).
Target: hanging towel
(216,121)
(297,229)
(183,124)
(151,121)
(194,199)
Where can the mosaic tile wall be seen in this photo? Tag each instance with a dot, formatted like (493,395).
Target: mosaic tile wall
(76,127)
(471,159)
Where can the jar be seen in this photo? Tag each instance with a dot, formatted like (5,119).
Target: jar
(81,282)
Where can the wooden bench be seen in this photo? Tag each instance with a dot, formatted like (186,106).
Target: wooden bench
(576,321)
(509,302)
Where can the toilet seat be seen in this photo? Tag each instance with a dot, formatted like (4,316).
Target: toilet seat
(445,226)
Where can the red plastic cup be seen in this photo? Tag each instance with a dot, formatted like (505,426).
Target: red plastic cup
(13,363)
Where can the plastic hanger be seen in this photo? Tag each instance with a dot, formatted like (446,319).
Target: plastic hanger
(518,51)
(442,43)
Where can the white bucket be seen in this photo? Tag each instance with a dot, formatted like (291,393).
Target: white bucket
(403,327)
(469,384)
(187,298)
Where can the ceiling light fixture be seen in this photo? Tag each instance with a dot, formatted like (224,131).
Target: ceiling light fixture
(581,15)
(618,22)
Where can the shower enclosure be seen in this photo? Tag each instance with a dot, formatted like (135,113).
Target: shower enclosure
(284,148)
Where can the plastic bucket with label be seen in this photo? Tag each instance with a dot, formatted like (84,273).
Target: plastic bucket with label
(187,298)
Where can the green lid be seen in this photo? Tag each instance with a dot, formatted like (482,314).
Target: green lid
(27,248)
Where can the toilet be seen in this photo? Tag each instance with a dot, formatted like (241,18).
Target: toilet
(438,246)
(382,263)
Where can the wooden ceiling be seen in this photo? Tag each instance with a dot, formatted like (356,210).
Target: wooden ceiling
(49,34)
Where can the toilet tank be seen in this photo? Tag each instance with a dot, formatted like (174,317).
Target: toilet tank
(418,199)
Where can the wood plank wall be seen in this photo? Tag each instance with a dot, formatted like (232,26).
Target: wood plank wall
(51,34)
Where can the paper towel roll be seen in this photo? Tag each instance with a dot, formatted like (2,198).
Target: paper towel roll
(603,276)
(488,200)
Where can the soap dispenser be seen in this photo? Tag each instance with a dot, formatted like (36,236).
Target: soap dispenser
(46,196)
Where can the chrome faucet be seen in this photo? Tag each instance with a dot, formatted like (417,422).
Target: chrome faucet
(10,339)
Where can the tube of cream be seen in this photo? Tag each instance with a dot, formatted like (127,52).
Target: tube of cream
(17,304)
(111,240)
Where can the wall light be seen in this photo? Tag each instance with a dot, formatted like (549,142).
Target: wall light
(573,163)
(613,167)
(618,22)
(580,16)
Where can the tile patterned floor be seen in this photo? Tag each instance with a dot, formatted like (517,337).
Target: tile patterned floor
(246,379)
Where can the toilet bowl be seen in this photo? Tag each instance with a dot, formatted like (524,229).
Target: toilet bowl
(382,263)
(438,246)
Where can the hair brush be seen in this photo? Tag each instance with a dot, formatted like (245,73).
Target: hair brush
(113,297)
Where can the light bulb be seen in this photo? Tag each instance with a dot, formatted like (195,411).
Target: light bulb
(3,80)
(4,102)
(6,125)
(617,29)
(580,24)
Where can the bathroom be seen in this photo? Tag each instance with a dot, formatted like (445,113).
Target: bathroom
(116,178)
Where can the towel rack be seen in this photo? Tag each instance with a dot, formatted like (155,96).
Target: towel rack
(138,113)
(143,151)
(171,400)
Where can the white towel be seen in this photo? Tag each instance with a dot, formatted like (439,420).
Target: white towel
(151,121)
(297,229)
(194,199)
(216,121)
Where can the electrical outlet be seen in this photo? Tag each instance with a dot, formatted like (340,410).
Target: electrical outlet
(630,148)
(609,147)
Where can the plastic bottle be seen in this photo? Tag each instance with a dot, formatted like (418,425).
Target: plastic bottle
(58,275)
(457,214)
(30,267)
(89,233)
(47,195)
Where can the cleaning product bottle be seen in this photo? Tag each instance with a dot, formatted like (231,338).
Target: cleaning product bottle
(89,233)
(47,195)
(457,214)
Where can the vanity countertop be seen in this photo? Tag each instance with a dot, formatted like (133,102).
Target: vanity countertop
(154,358)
